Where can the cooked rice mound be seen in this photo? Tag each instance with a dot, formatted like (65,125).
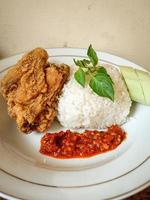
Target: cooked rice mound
(81,108)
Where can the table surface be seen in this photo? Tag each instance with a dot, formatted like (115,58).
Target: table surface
(114,26)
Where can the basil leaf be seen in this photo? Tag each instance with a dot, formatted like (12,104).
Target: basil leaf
(86,61)
(100,81)
(92,55)
(79,63)
(80,77)
(102,86)
(102,70)
(82,63)
(76,62)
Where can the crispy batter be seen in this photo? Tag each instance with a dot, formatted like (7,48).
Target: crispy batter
(31,89)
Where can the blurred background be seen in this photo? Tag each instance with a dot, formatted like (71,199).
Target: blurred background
(119,27)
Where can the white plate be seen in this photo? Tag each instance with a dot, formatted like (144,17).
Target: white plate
(26,174)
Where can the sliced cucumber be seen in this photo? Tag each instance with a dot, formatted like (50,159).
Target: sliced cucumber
(144,78)
(138,84)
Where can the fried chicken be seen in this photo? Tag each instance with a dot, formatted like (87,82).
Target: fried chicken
(31,89)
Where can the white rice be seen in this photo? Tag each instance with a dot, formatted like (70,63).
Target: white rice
(80,107)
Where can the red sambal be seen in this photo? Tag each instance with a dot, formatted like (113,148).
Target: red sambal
(67,144)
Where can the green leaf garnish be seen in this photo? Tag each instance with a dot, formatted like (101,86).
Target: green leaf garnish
(80,77)
(102,86)
(79,63)
(97,77)
(92,55)
(86,61)
(102,70)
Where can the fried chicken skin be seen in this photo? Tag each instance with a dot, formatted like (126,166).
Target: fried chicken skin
(31,89)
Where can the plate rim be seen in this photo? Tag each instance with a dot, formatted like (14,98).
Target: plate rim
(133,191)
(121,196)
